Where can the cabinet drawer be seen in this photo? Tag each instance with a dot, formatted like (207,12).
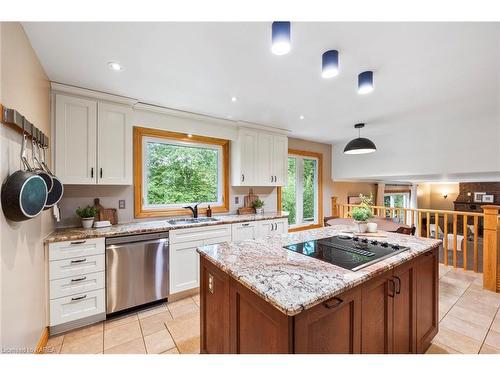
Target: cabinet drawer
(76,266)
(200,233)
(77,248)
(76,285)
(77,306)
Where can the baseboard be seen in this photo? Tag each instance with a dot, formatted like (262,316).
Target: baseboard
(184,294)
(42,341)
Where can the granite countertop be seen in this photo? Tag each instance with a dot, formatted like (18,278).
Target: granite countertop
(70,234)
(294,282)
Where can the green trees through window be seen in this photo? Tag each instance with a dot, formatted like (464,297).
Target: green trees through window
(179,174)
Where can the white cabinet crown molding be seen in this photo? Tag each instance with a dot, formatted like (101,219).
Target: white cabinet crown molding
(91,94)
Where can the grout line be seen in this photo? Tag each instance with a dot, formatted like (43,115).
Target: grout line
(142,334)
(489,329)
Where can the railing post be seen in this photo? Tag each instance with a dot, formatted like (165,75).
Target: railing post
(335,207)
(491,249)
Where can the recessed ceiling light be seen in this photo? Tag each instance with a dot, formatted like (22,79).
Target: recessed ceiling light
(301,117)
(115,66)
(234,98)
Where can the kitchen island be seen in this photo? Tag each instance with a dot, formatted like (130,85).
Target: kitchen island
(258,297)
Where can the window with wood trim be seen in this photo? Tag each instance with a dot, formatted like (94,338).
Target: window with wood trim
(303,195)
(173,170)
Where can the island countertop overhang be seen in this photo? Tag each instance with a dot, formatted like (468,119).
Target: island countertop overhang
(293,282)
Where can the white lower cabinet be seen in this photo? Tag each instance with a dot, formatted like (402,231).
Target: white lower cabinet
(272,227)
(76,278)
(255,230)
(184,259)
(244,231)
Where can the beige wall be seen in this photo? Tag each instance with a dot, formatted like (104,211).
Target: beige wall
(431,196)
(24,87)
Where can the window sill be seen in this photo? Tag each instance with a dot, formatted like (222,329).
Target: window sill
(149,213)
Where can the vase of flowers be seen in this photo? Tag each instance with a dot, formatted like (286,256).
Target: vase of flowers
(362,213)
(87,215)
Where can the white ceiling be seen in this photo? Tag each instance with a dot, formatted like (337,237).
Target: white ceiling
(198,67)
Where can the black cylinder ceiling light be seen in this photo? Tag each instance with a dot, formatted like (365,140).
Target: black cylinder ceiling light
(365,82)
(280,37)
(360,145)
(330,64)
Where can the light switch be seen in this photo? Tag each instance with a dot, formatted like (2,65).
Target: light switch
(121,204)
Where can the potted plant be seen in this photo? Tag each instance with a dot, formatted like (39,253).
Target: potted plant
(362,213)
(87,214)
(258,204)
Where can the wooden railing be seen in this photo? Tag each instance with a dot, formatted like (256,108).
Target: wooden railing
(456,226)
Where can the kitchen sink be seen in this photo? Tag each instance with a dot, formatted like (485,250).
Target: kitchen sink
(192,220)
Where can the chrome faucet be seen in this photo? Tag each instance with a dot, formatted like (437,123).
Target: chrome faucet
(194,209)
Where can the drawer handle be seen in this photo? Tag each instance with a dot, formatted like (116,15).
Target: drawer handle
(77,242)
(428,254)
(398,290)
(79,298)
(245,224)
(79,279)
(333,303)
(392,288)
(79,260)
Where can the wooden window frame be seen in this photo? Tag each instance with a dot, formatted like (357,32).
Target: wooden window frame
(139,134)
(318,156)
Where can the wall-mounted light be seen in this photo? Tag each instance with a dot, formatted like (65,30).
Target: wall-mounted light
(330,64)
(281,38)
(365,82)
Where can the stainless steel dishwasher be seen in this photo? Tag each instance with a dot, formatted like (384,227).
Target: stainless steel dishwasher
(137,270)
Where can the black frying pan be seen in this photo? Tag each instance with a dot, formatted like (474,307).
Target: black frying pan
(23,193)
(57,191)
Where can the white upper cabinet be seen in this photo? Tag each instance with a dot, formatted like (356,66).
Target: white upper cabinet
(259,159)
(93,141)
(75,134)
(114,141)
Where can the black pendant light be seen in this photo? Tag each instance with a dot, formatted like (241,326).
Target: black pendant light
(360,145)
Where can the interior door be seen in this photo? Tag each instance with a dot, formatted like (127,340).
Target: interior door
(75,140)
(114,144)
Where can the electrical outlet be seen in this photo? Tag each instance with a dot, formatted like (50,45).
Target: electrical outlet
(121,204)
(236,200)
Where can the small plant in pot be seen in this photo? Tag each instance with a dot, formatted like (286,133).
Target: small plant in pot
(87,214)
(258,205)
(362,213)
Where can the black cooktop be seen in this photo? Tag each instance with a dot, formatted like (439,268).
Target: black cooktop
(352,253)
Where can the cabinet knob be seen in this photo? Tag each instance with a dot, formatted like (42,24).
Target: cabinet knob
(92,172)
(242,178)
(100,172)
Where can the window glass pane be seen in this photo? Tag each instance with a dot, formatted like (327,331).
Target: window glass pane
(309,192)
(180,174)
(288,192)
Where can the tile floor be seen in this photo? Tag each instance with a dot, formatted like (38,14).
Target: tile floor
(167,328)
(469,317)
(469,323)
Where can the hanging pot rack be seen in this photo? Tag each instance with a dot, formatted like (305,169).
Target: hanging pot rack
(14,120)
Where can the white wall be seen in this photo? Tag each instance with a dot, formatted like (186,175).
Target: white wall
(24,87)
(456,140)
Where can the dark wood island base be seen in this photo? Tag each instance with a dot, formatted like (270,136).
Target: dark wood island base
(395,312)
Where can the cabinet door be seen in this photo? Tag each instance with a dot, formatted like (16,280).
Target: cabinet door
(214,306)
(264,228)
(332,327)
(244,231)
(405,309)
(280,160)
(265,165)
(75,140)
(248,158)
(114,151)
(184,266)
(376,326)
(281,226)
(427,299)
